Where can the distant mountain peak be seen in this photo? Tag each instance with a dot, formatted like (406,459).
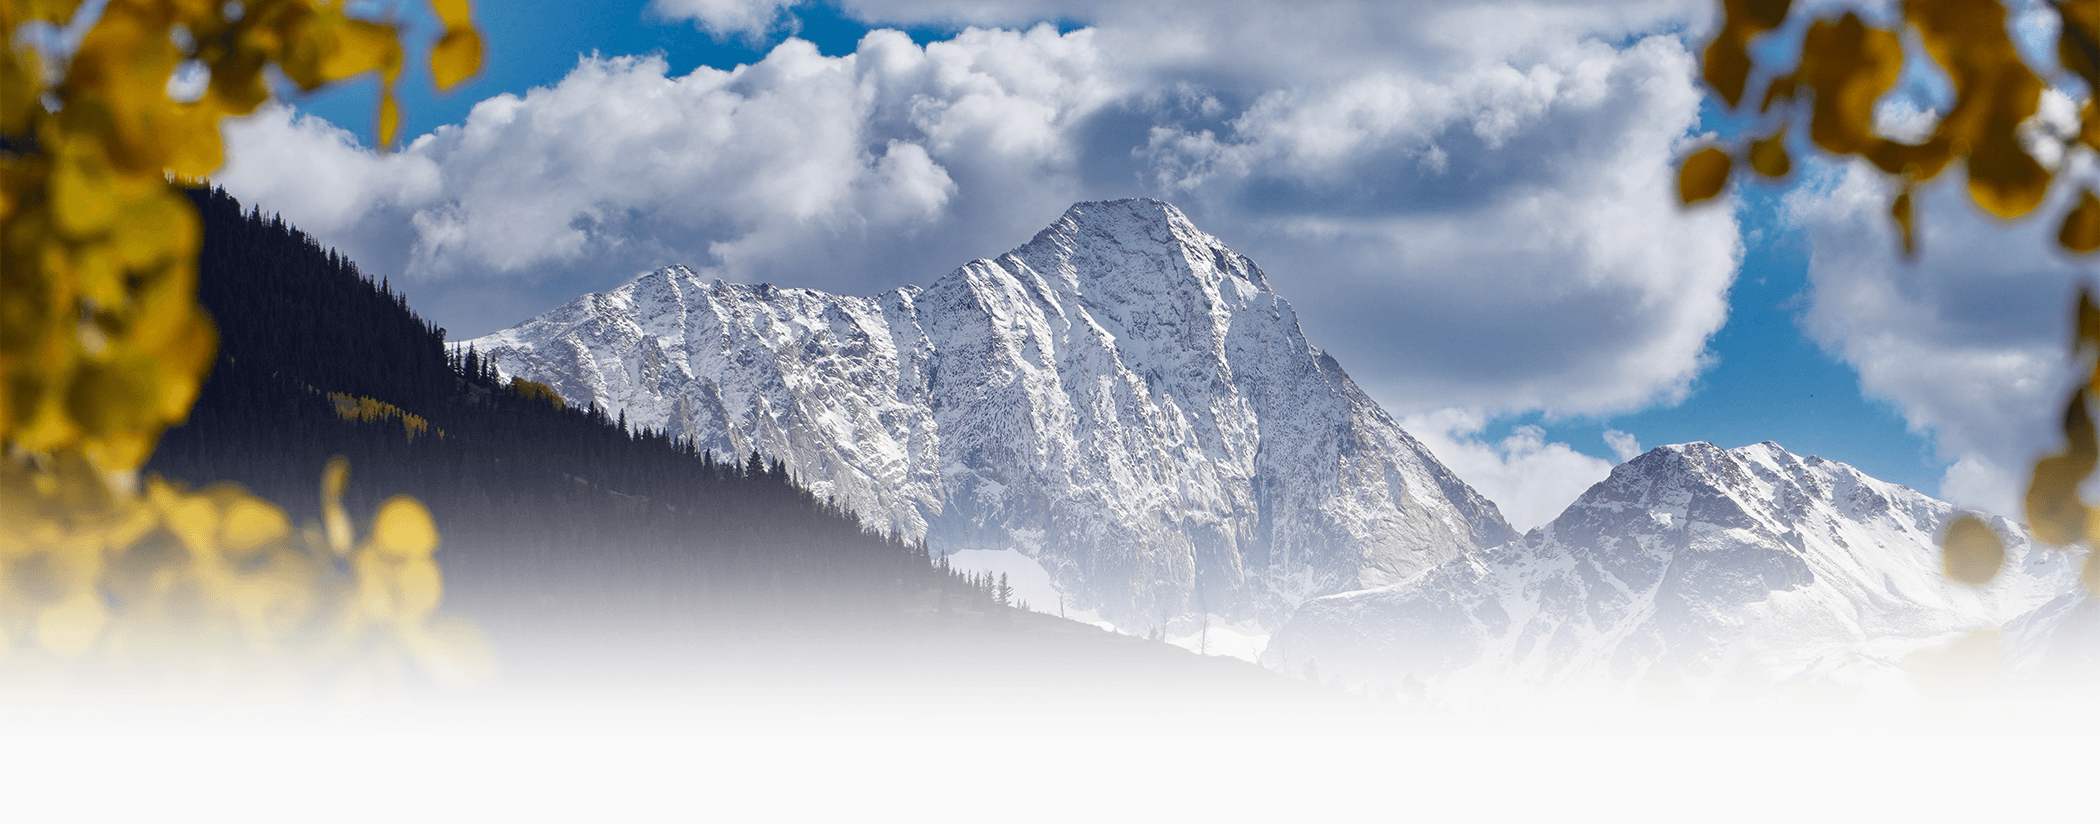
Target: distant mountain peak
(1689,561)
(1122,399)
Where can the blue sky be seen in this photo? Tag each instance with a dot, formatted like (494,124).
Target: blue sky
(1479,228)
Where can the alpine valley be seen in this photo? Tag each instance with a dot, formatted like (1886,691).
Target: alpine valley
(1125,401)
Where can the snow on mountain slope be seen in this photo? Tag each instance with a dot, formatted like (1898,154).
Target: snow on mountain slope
(1750,565)
(1122,399)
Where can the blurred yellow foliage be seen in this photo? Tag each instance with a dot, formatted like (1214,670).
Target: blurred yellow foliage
(183,586)
(103,345)
(1846,66)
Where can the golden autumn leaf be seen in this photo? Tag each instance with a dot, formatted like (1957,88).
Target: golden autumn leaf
(1727,63)
(1727,68)
(1768,156)
(2054,511)
(1973,553)
(2078,42)
(1849,65)
(335,477)
(456,57)
(2086,323)
(403,528)
(2004,179)
(389,121)
(1906,228)
(250,523)
(1703,175)
(2081,229)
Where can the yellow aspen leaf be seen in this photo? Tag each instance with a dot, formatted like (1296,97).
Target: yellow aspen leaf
(2086,329)
(2054,511)
(456,57)
(237,84)
(250,523)
(194,150)
(389,120)
(98,272)
(1906,227)
(119,454)
(20,85)
(1768,156)
(1914,162)
(1973,553)
(1762,14)
(192,519)
(1994,93)
(1850,66)
(1780,90)
(1703,175)
(2081,234)
(80,197)
(2078,43)
(403,528)
(148,234)
(1726,67)
(334,478)
(2089,574)
(54,11)
(2003,178)
(455,14)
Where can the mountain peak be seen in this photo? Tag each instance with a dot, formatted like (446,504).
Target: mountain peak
(1121,401)
(1140,210)
(1689,561)
(1107,245)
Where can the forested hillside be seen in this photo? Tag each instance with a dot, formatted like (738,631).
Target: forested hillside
(536,503)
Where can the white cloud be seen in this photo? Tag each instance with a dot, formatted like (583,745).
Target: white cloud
(1470,205)
(801,168)
(1968,341)
(1508,237)
(745,18)
(1530,480)
(1622,444)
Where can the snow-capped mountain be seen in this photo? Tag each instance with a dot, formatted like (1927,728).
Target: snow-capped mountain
(1750,565)
(1122,399)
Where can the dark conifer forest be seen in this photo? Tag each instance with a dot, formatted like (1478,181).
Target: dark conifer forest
(535,500)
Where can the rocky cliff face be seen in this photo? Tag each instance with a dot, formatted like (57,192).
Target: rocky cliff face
(1123,399)
(1689,562)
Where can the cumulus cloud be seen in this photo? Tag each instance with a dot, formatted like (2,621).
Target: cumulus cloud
(1529,479)
(805,169)
(743,18)
(1623,444)
(1968,340)
(1470,205)
(1516,222)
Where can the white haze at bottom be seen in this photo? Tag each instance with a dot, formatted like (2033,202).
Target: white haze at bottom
(610,758)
